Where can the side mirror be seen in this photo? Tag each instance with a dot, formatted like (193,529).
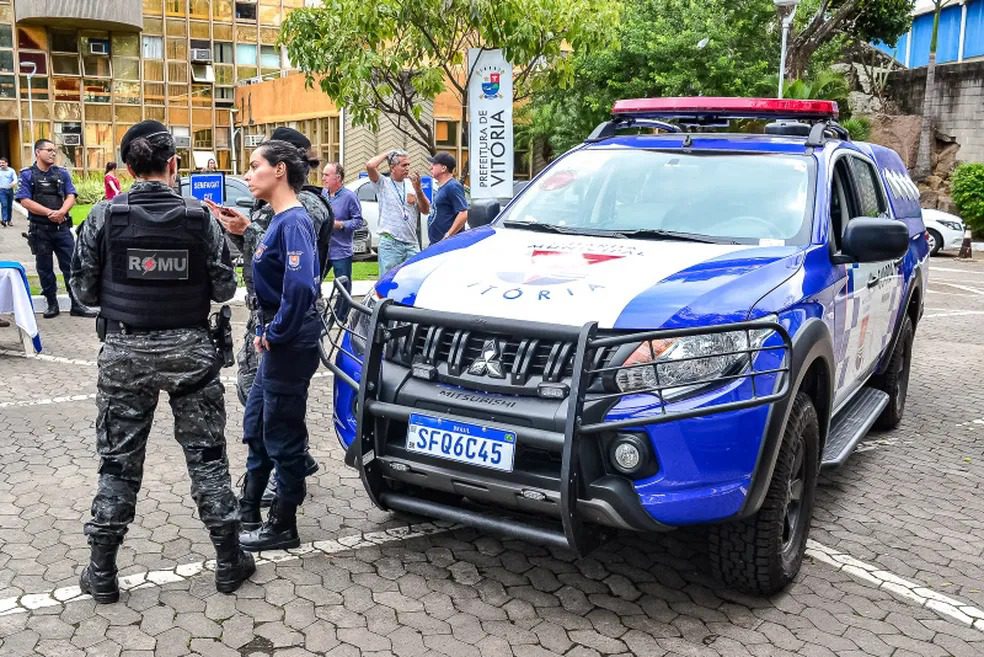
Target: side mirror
(872,239)
(482,212)
(244,202)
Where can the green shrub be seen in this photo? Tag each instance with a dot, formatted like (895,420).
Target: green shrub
(859,127)
(967,187)
(91,189)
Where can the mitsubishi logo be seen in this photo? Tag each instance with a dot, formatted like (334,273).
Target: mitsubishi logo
(488,362)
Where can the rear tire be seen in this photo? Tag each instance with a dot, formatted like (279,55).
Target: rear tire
(762,554)
(937,242)
(895,380)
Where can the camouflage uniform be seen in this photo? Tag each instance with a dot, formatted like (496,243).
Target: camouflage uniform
(260,218)
(133,369)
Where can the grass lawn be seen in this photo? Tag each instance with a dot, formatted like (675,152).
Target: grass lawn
(361,271)
(80,211)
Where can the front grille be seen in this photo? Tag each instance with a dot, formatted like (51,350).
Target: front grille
(511,359)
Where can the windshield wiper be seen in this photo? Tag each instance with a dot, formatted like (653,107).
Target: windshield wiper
(658,234)
(537,226)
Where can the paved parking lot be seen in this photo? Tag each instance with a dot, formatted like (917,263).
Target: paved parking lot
(896,566)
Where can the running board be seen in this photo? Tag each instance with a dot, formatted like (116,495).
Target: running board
(851,425)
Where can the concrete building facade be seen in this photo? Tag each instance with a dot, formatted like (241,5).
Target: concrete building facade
(80,72)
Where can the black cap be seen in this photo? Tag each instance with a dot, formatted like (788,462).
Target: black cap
(444,158)
(291,136)
(143,129)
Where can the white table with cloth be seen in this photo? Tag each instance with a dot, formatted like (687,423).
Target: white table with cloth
(15,299)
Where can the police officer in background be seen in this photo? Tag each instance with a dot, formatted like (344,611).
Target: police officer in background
(248,234)
(47,193)
(153,261)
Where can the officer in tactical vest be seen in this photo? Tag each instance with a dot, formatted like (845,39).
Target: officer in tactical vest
(247,234)
(153,261)
(47,193)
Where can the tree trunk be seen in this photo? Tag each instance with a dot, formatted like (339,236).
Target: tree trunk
(924,158)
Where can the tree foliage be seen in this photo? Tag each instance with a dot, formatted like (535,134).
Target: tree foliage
(967,186)
(390,57)
(712,47)
(821,21)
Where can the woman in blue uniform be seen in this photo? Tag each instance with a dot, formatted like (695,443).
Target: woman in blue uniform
(286,278)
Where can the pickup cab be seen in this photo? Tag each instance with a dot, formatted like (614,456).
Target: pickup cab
(671,326)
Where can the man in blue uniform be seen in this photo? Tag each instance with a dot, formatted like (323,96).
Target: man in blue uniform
(47,193)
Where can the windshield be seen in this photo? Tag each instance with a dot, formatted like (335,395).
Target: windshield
(746,198)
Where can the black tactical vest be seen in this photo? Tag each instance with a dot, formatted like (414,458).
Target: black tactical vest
(155,273)
(48,189)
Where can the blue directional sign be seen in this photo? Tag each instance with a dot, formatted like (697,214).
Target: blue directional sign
(209,186)
(427,187)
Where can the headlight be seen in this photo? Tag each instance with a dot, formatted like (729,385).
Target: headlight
(680,365)
(953,225)
(359,323)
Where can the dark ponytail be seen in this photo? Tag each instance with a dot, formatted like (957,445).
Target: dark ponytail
(295,159)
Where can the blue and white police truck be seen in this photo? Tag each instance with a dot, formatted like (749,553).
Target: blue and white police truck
(671,326)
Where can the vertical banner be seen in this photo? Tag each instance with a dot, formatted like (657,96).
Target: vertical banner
(490,124)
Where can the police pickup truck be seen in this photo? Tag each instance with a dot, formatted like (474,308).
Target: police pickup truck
(670,328)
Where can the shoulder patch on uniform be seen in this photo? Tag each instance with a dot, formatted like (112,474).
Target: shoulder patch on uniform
(294,260)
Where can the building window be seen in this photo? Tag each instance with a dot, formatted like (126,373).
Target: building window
(64,41)
(222,53)
(222,10)
(225,96)
(198,9)
(126,92)
(36,58)
(65,64)
(177,72)
(201,96)
(152,7)
(32,38)
(126,68)
(6,36)
(126,45)
(245,54)
(36,88)
(8,88)
(176,8)
(203,138)
(153,47)
(96,91)
(446,134)
(153,93)
(224,74)
(270,58)
(177,49)
(7,61)
(202,73)
(67,89)
(96,67)
(246,11)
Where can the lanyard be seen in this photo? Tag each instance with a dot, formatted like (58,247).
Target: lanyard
(402,199)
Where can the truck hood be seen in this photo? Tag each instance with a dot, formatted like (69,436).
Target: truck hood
(574,279)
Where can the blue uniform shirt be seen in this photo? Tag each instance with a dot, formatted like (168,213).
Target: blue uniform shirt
(24,189)
(448,202)
(285,274)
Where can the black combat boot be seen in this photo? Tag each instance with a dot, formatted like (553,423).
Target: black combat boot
(279,532)
(78,310)
(249,503)
(99,577)
(52,310)
(232,565)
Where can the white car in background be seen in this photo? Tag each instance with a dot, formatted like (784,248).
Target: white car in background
(946,231)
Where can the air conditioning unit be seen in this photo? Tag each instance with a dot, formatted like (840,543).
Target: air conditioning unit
(201,56)
(252,141)
(99,47)
(182,142)
(71,140)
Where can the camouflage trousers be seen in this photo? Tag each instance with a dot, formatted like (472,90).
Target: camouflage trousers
(133,370)
(248,360)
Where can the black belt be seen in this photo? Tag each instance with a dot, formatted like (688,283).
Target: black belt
(49,225)
(115,326)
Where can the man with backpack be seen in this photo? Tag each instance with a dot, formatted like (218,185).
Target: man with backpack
(247,233)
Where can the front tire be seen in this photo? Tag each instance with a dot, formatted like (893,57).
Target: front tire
(895,380)
(762,554)
(935,242)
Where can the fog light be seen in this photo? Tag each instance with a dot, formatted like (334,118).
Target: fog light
(628,454)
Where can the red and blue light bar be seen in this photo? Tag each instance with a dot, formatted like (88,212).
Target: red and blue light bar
(721,107)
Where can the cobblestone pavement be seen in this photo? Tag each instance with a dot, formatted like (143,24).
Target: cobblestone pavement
(896,567)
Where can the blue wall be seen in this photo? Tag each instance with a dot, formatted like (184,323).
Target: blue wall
(948,41)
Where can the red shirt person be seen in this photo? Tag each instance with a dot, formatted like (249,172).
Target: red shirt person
(111,184)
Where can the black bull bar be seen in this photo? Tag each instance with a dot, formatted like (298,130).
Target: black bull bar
(591,380)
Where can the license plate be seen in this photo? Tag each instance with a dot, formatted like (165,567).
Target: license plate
(360,246)
(462,442)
